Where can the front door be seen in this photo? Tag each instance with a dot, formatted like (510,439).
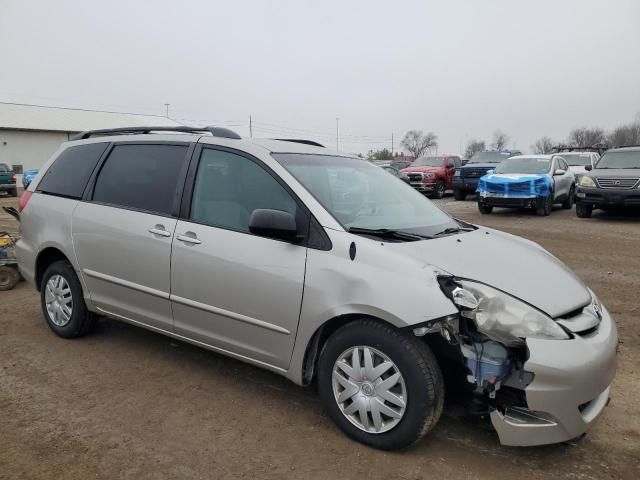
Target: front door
(122,235)
(231,289)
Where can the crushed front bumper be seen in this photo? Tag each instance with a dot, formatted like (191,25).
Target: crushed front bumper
(510,201)
(570,388)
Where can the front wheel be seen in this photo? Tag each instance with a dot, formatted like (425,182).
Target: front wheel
(459,194)
(583,210)
(63,302)
(382,386)
(439,191)
(568,203)
(544,209)
(485,209)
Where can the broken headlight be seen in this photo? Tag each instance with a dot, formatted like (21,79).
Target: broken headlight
(502,317)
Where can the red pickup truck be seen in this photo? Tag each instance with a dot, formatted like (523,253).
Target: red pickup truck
(433,175)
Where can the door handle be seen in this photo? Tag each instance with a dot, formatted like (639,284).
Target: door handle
(189,237)
(159,230)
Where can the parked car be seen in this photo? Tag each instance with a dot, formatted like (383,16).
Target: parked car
(8,180)
(433,175)
(613,182)
(528,181)
(212,239)
(579,157)
(465,179)
(397,173)
(398,164)
(27,177)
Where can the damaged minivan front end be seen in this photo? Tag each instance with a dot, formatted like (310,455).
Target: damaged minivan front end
(540,379)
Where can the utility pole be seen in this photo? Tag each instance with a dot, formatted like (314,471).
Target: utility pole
(337,134)
(250,127)
(167,107)
(391,144)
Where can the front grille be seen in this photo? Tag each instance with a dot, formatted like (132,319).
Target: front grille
(474,172)
(617,182)
(415,177)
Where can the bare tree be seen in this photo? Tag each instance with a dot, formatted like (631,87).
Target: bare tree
(473,147)
(418,143)
(625,135)
(586,137)
(500,140)
(542,145)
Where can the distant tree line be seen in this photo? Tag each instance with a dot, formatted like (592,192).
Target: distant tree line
(627,134)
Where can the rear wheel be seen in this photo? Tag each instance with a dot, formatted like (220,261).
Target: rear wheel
(459,194)
(9,277)
(63,302)
(568,203)
(382,386)
(584,210)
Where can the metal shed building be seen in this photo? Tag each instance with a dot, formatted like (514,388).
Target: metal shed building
(30,134)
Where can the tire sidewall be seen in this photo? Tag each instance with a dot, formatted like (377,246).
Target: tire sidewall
(419,403)
(79,314)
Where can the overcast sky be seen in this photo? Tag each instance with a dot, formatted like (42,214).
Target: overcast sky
(458,68)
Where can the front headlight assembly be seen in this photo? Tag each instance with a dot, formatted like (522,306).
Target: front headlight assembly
(502,317)
(586,181)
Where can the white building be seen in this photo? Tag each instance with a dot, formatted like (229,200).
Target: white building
(30,134)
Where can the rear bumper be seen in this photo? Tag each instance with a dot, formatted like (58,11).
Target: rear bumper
(8,186)
(570,388)
(609,196)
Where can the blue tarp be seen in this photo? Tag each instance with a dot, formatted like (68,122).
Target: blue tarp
(515,185)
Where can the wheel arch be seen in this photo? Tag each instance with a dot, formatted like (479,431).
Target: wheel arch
(46,257)
(320,337)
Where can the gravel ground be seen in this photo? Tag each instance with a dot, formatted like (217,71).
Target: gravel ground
(127,403)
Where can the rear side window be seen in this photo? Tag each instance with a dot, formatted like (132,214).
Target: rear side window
(4,168)
(70,172)
(141,177)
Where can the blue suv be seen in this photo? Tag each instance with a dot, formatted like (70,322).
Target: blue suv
(465,179)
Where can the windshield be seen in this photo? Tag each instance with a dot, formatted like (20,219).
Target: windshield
(428,162)
(524,165)
(577,159)
(4,167)
(620,159)
(359,194)
(489,157)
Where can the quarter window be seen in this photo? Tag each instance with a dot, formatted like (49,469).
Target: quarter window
(141,177)
(70,172)
(230,187)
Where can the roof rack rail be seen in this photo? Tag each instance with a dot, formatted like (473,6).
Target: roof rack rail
(626,146)
(598,147)
(215,131)
(300,140)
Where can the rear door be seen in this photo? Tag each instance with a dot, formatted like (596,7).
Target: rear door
(232,289)
(122,232)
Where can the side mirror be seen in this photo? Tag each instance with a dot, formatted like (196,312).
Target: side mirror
(588,168)
(559,172)
(277,224)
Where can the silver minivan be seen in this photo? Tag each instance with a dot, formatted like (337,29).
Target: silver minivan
(323,268)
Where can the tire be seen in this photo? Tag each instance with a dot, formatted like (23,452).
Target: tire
(544,210)
(9,278)
(13,193)
(439,191)
(459,194)
(568,203)
(420,378)
(485,209)
(584,210)
(65,289)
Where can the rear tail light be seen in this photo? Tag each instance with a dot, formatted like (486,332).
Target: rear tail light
(24,199)
(14,178)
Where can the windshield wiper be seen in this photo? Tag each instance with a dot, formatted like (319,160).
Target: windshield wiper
(451,230)
(387,233)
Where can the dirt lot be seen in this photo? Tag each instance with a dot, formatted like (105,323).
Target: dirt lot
(127,403)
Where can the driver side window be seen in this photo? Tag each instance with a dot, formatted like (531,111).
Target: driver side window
(229,187)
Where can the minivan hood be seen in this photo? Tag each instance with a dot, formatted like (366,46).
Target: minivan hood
(512,264)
